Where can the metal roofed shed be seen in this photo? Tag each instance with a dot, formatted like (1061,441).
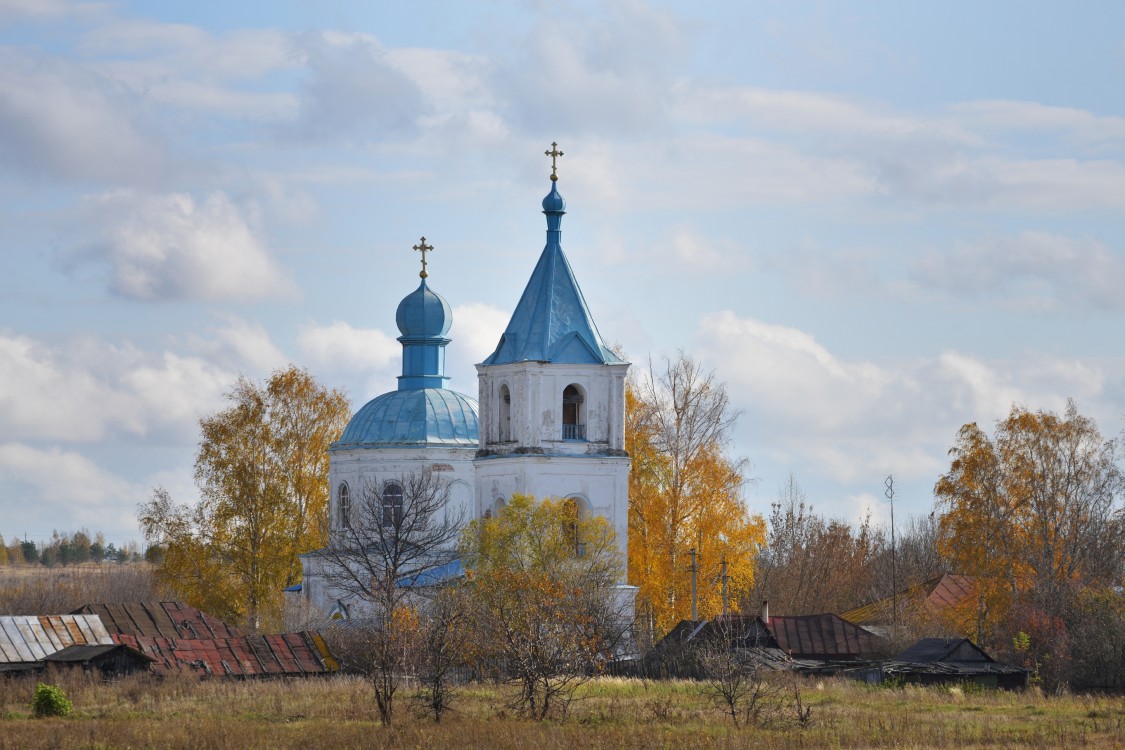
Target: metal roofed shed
(29,639)
(933,661)
(111,660)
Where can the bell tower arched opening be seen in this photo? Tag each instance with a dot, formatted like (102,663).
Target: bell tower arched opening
(573,413)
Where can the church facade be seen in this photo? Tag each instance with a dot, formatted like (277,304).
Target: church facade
(550,420)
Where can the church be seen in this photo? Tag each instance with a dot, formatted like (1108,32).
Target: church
(549,419)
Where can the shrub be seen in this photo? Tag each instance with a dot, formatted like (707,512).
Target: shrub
(50,701)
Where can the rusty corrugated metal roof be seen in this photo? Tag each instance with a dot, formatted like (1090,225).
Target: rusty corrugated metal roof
(31,638)
(826,636)
(160,620)
(290,654)
(937,594)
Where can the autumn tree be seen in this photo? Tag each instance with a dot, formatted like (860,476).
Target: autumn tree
(1033,513)
(544,606)
(262,471)
(685,494)
(388,549)
(811,564)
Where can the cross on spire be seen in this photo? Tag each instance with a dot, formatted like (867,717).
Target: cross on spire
(423,248)
(554,153)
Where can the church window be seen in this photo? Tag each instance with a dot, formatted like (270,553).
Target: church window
(344,505)
(392,504)
(575,512)
(573,417)
(505,414)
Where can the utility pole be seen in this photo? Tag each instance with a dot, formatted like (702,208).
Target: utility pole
(890,493)
(694,592)
(726,607)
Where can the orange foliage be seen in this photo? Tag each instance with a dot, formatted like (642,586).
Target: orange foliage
(685,494)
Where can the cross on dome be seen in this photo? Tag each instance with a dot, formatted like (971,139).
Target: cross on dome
(554,153)
(423,248)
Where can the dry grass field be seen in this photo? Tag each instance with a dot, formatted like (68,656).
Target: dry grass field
(612,713)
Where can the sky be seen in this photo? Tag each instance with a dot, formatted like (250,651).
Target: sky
(874,221)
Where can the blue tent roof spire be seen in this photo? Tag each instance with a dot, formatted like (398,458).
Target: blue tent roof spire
(552,323)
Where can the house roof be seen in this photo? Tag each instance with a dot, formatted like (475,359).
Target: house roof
(937,593)
(826,636)
(288,654)
(31,638)
(160,619)
(944,649)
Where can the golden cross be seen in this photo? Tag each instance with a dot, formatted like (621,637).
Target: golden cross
(423,248)
(554,153)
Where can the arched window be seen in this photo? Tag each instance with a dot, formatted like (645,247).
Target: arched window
(392,504)
(573,418)
(505,421)
(575,512)
(344,505)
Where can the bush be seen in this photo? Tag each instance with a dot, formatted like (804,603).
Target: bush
(50,701)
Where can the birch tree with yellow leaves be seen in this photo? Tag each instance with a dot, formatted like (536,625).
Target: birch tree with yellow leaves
(685,494)
(262,471)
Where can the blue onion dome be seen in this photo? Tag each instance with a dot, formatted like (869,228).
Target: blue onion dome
(422,416)
(554,202)
(424,313)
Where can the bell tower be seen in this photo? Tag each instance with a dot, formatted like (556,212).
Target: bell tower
(552,396)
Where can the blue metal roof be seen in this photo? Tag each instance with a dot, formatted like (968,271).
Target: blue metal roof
(422,416)
(552,323)
(423,313)
(434,576)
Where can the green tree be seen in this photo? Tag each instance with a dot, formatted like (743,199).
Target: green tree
(543,603)
(262,470)
(29,551)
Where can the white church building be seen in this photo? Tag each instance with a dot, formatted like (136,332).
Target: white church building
(550,420)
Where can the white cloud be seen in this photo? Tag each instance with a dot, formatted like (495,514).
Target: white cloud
(65,489)
(339,347)
(192,68)
(476,330)
(237,344)
(61,120)
(169,247)
(1022,116)
(353,90)
(1036,270)
(846,420)
(85,389)
(604,71)
(44,11)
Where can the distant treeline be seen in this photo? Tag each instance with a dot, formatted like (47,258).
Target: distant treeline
(67,549)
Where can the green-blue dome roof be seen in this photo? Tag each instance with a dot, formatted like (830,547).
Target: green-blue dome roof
(421,416)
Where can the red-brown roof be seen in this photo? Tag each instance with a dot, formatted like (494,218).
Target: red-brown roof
(289,654)
(935,594)
(826,636)
(160,620)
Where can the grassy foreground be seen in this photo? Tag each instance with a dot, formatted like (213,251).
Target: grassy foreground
(612,713)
